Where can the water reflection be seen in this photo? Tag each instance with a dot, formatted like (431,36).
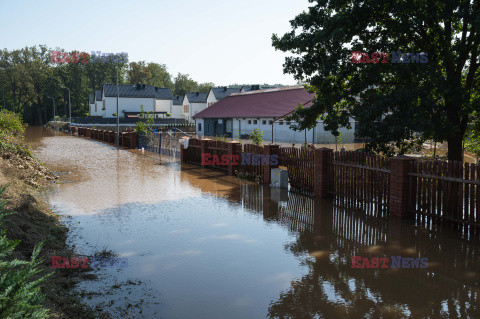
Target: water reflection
(213,246)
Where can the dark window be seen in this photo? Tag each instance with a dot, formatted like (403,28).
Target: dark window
(270,122)
(280,123)
(249,121)
(254,121)
(264,122)
(199,127)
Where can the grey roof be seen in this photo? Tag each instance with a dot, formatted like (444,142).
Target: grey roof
(138,91)
(91,99)
(222,92)
(196,97)
(98,95)
(164,94)
(177,100)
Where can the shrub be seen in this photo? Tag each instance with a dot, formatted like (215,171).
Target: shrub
(11,124)
(256,136)
(20,294)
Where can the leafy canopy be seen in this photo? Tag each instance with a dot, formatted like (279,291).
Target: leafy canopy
(391,101)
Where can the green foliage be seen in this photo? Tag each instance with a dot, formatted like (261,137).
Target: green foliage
(183,84)
(11,124)
(20,281)
(205,87)
(114,114)
(256,137)
(391,101)
(168,115)
(141,128)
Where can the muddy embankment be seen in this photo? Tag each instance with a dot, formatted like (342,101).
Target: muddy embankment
(33,221)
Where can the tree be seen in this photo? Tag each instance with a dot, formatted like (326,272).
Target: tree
(159,76)
(205,87)
(392,101)
(183,84)
(138,72)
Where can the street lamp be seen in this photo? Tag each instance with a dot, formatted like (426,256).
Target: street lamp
(54,117)
(118,118)
(69,108)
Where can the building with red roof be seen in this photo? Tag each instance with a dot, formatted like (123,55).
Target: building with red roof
(239,114)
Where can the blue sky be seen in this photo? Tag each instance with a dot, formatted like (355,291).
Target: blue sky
(224,42)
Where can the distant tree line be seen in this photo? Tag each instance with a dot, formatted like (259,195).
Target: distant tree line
(28,78)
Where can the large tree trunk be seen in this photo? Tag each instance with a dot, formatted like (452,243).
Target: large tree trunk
(455,147)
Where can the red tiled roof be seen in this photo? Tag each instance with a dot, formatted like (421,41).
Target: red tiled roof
(263,103)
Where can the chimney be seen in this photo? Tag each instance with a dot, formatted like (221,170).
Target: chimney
(225,89)
(198,93)
(138,86)
(143,86)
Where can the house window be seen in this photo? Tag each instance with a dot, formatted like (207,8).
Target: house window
(199,127)
(254,121)
(95,106)
(280,123)
(185,109)
(270,122)
(210,104)
(264,122)
(288,123)
(249,121)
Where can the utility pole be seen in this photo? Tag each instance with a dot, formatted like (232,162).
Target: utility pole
(69,108)
(54,117)
(118,118)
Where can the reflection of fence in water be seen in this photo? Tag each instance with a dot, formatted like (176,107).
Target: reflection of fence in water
(297,213)
(357,229)
(252,197)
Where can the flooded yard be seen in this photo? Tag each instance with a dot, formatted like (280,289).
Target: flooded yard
(204,245)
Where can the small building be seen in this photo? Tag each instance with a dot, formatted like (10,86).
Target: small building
(177,107)
(238,114)
(193,103)
(218,93)
(135,98)
(95,104)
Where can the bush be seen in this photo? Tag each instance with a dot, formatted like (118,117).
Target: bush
(20,294)
(256,136)
(11,124)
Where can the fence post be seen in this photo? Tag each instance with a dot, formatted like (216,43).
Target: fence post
(399,191)
(234,148)
(269,150)
(321,173)
(204,147)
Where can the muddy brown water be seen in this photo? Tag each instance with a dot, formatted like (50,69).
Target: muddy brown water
(204,245)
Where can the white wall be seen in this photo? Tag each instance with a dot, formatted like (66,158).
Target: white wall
(128,105)
(211,98)
(197,122)
(186,115)
(164,106)
(177,111)
(196,108)
(283,133)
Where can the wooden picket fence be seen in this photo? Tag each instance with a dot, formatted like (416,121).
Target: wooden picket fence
(445,191)
(360,180)
(300,167)
(255,171)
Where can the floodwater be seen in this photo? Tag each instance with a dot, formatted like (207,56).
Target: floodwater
(204,245)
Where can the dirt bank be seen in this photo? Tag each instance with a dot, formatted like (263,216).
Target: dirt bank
(33,222)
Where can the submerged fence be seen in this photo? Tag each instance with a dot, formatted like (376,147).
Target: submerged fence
(126,139)
(430,191)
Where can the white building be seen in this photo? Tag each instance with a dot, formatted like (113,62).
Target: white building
(240,113)
(95,103)
(193,103)
(177,107)
(218,93)
(135,98)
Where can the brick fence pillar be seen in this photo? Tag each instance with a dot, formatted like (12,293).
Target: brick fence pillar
(234,148)
(321,172)
(133,140)
(269,150)
(88,132)
(204,143)
(399,193)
